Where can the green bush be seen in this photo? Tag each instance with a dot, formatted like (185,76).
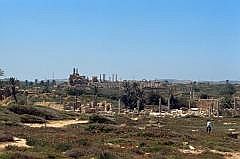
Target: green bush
(6,138)
(208,154)
(19,155)
(106,155)
(82,142)
(94,128)
(78,152)
(26,118)
(63,147)
(142,144)
(15,148)
(43,112)
(100,119)
(7,116)
(35,142)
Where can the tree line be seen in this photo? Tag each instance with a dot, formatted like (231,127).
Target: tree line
(10,89)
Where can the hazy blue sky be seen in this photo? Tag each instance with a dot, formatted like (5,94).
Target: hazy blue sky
(183,39)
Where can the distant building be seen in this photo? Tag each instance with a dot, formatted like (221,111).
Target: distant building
(76,79)
(95,79)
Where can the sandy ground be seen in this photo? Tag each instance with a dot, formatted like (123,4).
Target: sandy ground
(58,124)
(227,155)
(195,152)
(17,142)
(22,142)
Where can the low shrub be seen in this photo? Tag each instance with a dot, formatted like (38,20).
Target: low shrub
(107,155)
(78,152)
(15,148)
(46,113)
(35,142)
(142,144)
(11,123)
(63,147)
(97,128)
(7,117)
(6,138)
(26,118)
(100,119)
(82,142)
(20,155)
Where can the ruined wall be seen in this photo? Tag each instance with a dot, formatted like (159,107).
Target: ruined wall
(208,106)
(237,104)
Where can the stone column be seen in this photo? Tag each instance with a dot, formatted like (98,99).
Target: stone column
(119,105)
(160,105)
(217,108)
(138,105)
(169,103)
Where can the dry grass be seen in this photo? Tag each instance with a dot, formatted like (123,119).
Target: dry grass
(124,138)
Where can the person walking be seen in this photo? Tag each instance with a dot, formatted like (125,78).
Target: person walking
(209,126)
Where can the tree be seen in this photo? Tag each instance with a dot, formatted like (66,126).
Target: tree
(1,72)
(75,91)
(132,96)
(227,90)
(54,82)
(95,90)
(46,89)
(226,102)
(26,83)
(13,82)
(152,98)
(95,94)
(203,96)
(41,83)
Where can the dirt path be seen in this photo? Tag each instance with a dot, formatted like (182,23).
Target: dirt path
(228,155)
(58,123)
(17,142)
(195,152)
